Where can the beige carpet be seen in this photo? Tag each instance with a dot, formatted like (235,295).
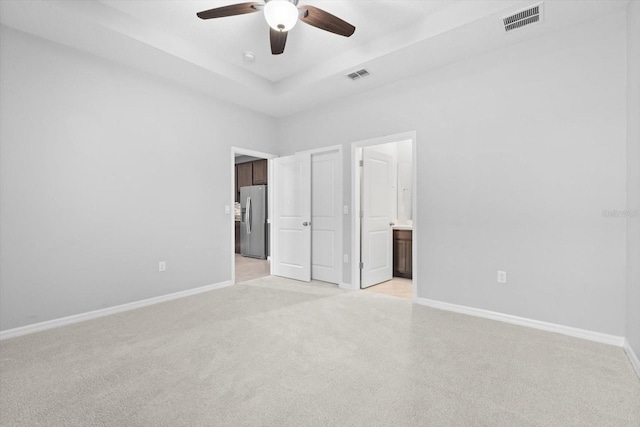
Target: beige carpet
(274,352)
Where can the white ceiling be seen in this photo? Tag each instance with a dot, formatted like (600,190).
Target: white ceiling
(394,39)
(228,38)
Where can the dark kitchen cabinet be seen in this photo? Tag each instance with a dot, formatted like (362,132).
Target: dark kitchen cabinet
(244,177)
(250,173)
(259,172)
(402,253)
(237,237)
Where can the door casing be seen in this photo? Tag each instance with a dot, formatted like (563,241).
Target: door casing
(356,205)
(253,153)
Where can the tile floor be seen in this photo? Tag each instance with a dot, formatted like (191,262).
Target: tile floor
(397,287)
(250,268)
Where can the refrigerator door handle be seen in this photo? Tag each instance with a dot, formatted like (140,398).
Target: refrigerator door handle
(248,215)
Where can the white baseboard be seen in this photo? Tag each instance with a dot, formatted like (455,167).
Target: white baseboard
(522,321)
(632,357)
(55,323)
(347,286)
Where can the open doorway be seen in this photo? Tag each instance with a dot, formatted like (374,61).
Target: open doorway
(384,200)
(251,194)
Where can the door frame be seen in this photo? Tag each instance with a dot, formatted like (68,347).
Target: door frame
(356,206)
(253,153)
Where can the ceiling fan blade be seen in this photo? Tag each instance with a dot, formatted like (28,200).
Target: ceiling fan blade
(326,21)
(231,10)
(278,40)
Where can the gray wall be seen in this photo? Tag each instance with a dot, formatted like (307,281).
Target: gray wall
(633,177)
(519,152)
(106,171)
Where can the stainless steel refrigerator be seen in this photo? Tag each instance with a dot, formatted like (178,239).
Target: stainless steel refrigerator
(253,221)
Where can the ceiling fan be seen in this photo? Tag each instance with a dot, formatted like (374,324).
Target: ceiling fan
(282,16)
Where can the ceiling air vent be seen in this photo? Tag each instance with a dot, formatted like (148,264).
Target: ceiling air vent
(357,74)
(530,15)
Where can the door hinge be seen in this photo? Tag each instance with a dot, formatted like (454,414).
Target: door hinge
(361,265)
(361,163)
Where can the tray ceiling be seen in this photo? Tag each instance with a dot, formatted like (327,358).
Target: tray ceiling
(394,39)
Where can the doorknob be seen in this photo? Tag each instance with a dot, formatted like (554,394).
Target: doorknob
(306,223)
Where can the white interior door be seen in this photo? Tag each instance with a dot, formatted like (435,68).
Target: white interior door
(377,245)
(326,203)
(292,217)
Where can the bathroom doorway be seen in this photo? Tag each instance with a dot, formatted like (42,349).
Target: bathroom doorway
(384,200)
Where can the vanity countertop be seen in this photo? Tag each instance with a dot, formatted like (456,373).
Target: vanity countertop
(403,227)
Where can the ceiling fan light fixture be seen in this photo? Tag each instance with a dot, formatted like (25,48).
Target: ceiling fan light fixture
(281,15)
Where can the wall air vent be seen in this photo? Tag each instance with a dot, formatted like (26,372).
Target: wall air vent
(357,74)
(530,15)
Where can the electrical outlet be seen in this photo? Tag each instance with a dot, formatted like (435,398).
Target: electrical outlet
(345,209)
(162,266)
(346,258)
(227,209)
(502,276)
